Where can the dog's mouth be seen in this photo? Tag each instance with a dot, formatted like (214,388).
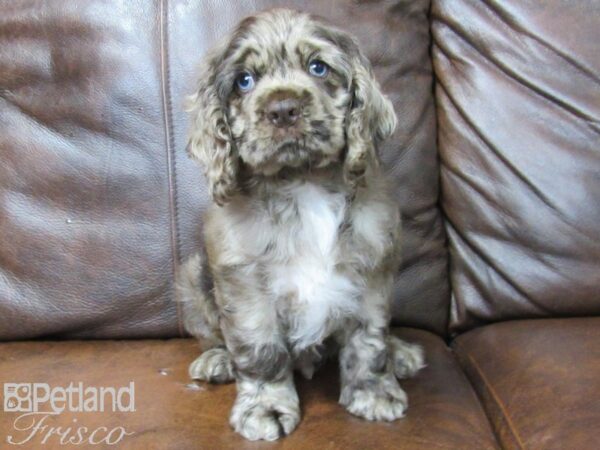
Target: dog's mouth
(290,141)
(290,138)
(289,153)
(308,145)
(291,145)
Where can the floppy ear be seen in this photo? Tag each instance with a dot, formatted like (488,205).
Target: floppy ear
(210,139)
(371,120)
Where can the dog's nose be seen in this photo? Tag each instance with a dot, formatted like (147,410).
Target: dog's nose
(283,112)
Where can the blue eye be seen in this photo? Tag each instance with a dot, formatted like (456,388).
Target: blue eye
(245,81)
(318,68)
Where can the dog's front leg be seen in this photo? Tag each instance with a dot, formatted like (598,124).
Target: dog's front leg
(267,405)
(369,386)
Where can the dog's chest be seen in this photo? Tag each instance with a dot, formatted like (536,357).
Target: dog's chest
(303,259)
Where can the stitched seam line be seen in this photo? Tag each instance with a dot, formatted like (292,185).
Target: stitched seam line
(169,147)
(496,399)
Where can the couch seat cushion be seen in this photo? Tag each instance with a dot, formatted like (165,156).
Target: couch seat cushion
(539,380)
(171,412)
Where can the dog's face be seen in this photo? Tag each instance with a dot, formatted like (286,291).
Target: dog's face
(288,94)
(285,91)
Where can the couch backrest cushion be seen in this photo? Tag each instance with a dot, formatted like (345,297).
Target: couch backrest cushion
(99,202)
(84,195)
(518,96)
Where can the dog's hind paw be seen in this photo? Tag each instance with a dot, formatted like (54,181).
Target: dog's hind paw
(380,399)
(407,359)
(213,365)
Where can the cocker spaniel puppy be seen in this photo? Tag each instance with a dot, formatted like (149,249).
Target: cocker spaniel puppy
(302,244)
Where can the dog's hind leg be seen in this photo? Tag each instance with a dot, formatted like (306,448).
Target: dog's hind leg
(201,319)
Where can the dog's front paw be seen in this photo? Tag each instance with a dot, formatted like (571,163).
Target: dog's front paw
(259,422)
(269,414)
(213,365)
(383,399)
(407,359)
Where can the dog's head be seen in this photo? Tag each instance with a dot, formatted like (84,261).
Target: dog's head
(286,91)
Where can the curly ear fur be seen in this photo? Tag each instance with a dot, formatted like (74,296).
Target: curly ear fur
(371,120)
(210,139)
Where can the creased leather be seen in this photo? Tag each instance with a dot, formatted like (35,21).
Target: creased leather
(518,98)
(84,201)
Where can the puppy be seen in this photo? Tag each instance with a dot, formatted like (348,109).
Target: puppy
(302,244)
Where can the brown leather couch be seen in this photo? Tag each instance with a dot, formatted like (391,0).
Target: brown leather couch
(496,162)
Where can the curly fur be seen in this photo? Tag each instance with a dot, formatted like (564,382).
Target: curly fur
(302,244)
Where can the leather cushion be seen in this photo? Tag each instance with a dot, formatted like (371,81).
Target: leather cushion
(518,96)
(443,408)
(85,247)
(539,380)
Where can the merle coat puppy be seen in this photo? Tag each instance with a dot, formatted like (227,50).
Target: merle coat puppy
(302,243)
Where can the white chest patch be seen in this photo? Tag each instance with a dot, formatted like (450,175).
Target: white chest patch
(303,274)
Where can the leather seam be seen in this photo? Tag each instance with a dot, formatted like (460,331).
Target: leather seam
(494,396)
(170,153)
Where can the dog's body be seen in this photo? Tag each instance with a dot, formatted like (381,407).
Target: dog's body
(305,243)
